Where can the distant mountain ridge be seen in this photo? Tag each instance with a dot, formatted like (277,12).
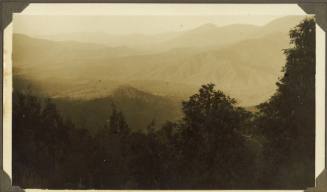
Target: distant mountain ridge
(201,36)
(242,60)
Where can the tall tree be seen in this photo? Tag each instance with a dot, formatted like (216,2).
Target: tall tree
(287,120)
(212,144)
(113,141)
(26,119)
(117,123)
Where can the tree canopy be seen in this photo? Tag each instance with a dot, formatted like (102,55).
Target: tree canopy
(287,120)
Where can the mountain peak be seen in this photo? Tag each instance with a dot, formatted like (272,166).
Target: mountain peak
(129,91)
(205,27)
(286,22)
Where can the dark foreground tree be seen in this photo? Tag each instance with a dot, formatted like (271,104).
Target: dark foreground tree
(111,170)
(287,120)
(214,152)
(26,119)
(47,151)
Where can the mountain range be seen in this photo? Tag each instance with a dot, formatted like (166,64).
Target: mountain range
(83,71)
(206,35)
(244,61)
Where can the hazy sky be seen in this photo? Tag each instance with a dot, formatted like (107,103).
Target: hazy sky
(36,25)
(117,18)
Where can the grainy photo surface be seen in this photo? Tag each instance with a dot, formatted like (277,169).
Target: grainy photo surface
(163,102)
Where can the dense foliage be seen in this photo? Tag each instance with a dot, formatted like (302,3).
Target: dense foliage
(287,120)
(216,145)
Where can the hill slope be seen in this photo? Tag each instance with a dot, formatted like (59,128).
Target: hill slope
(139,108)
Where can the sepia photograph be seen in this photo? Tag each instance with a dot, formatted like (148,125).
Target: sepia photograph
(173,102)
